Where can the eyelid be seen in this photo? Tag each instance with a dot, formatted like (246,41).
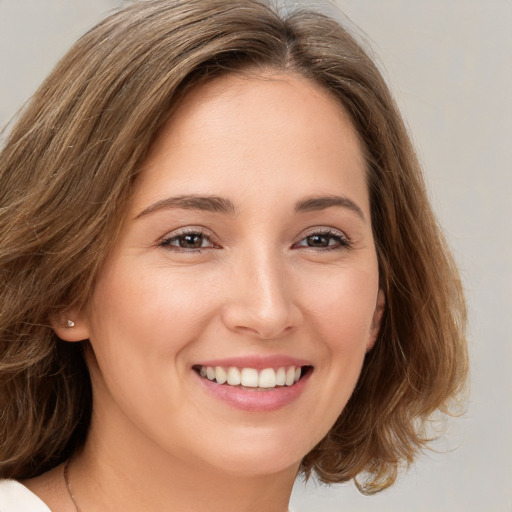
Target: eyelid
(188,230)
(345,241)
(326,230)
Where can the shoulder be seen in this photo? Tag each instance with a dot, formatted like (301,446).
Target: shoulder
(15,497)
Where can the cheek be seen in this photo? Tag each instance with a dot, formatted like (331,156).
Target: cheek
(343,306)
(142,323)
(343,309)
(152,310)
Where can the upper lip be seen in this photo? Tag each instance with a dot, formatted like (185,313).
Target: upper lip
(255,361)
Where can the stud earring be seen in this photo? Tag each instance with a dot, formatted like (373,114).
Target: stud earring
(70,324)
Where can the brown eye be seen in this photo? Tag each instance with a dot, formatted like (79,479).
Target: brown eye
(318,241)
(191,241)
(328,240)
(187,241)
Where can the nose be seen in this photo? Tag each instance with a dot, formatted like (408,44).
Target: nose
(261,301)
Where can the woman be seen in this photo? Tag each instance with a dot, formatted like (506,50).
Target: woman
(220,269)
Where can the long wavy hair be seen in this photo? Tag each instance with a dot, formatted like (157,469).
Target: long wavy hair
(67,173)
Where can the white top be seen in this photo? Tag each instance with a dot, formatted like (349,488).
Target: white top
(15,497)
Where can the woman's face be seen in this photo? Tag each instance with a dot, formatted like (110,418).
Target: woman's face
(247,254)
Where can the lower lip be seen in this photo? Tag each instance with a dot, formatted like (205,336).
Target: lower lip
(255,400)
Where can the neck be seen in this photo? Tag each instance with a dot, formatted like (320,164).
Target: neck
(118,474)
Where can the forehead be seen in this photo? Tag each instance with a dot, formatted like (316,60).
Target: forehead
(236,131)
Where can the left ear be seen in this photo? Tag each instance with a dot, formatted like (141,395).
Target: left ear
(376,321)
(71,326)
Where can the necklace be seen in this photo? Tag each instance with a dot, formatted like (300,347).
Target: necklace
(68,485)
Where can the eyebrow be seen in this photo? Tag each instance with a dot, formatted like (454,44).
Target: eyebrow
(317,203)
(205,203)
(217,204)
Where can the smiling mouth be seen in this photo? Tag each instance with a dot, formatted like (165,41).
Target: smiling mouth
(264,379)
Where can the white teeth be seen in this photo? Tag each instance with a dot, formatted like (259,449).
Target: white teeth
(267,378)
(281,377)
(233,376)
(249,377)
(220,375)
(290,376)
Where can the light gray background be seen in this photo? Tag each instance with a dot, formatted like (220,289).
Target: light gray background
(449,63)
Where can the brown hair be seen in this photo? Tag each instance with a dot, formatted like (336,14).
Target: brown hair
(66,175)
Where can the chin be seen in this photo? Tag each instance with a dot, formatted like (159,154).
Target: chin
(257,453)
(245,465)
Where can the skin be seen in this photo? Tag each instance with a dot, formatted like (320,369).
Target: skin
(158,441)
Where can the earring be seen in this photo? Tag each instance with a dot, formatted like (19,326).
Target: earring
(70,324)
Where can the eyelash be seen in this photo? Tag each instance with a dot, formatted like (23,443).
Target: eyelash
(342,241)
(167,242)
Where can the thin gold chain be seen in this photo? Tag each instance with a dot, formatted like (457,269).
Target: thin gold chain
(68,485)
